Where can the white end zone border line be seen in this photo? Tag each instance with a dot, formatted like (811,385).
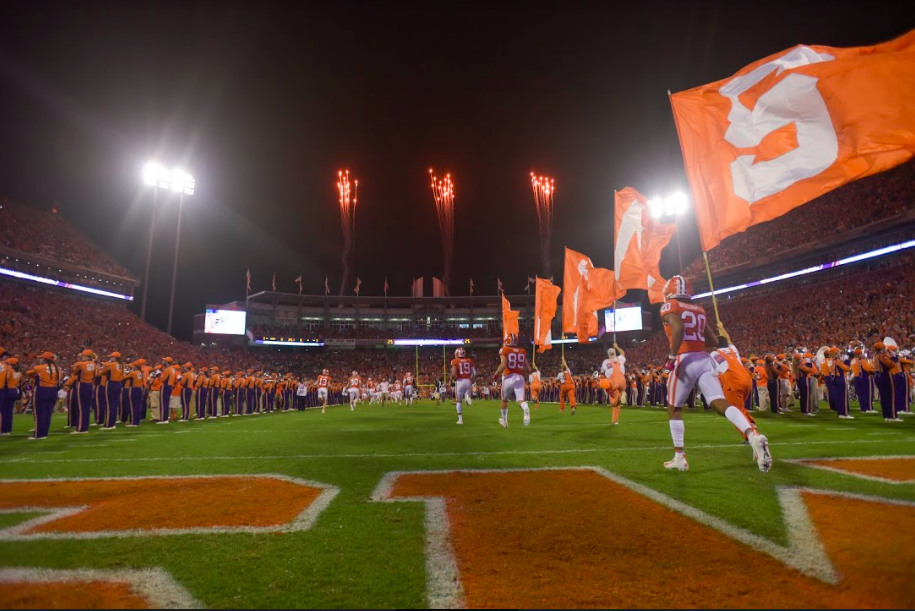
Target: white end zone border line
(154,585)
(804,552)
(809,462)
(303,521)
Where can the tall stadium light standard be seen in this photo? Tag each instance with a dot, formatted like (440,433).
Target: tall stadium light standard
(182,183)
(673,206)
(154,177)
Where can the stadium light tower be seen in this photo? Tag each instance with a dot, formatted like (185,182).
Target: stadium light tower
(183,184)
(155,177)
(177,181)
(673,205)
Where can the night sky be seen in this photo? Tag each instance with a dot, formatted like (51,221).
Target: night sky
(263,104)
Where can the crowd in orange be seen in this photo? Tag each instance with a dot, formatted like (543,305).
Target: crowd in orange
(856,205)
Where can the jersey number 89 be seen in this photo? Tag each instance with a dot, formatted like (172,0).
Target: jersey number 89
(516,360)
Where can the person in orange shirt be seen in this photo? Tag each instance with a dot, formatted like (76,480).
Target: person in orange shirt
(838,394)
(886,368)
(169,380)
(228,392)
(736,382)
(536,385)
(862,376)
(82,377)
(214,389)
(806,384)
(6,395)
(614,379)
(462,371)
(250,394)
(47,381)
(186,384)
(174,401)
(201,392)
(514,367)
(135,382)
(566,388)
(154,387)
(352,390)
(13,380)
(113,381)
(323,387)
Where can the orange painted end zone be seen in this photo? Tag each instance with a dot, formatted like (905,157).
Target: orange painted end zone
(145,504)
(572,538)
(871,544)
(69,595)
(896,469)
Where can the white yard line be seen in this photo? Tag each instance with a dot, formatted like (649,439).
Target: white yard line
(609,450)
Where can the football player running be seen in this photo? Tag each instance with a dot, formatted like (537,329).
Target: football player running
(513,367)
(462,370)
(355,382)
(323,385)
(690,365)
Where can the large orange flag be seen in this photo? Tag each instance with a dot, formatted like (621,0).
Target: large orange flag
(793,126)
(587,289)
(509,319)
(545,304)
(638,241)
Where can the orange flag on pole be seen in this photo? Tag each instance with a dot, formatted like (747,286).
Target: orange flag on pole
(638,241)
(509,319)
(793,126)
(587,289)
(546,295)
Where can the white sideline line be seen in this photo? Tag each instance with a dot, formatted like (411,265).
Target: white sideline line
(809,462)
(433,454)
(154,585)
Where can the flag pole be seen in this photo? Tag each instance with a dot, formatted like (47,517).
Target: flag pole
(417,368)
(711,286)
(444,362)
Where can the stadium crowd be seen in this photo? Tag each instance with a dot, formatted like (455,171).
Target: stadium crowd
(872,199)
(46,234)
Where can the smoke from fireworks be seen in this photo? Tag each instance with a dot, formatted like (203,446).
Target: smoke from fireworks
(443,193)
(347,191)
(544,188)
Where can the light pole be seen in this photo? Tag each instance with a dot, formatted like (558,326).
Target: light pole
(182,183)
(673,205)
(154,175)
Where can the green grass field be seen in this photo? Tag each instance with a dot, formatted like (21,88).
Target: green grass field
(361,553)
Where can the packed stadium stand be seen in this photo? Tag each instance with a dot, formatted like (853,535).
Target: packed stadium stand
(41,243)
(875,208)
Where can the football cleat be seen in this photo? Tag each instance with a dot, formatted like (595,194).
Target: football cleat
(527,419)
(503,422)
(679,462)
(460,420)
(761,454)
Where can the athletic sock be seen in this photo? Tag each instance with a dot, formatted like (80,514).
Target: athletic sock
(458,405)
(737,418)
(505,414)
(677,428)
(525,409)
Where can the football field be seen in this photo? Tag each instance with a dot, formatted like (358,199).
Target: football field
(400,507)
